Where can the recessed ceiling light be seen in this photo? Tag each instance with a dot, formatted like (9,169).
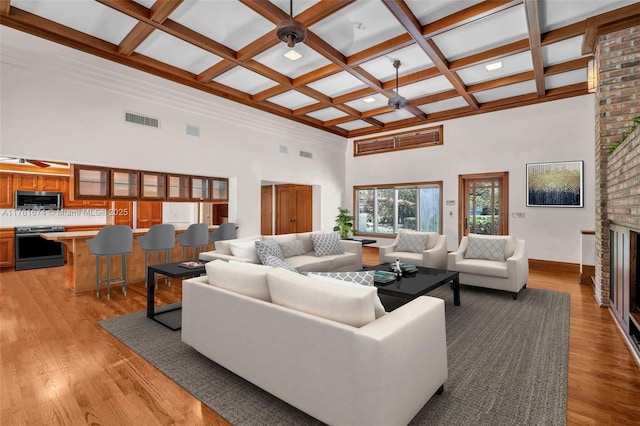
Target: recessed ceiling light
(494,66)
(293,55)
(369,100)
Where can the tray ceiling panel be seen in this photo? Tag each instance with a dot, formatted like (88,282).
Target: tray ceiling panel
(457,58)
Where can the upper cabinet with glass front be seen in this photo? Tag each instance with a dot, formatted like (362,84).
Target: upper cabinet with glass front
(90,182)
(178,186)
(200,188)
(220,189)
(154,186)
(125,183)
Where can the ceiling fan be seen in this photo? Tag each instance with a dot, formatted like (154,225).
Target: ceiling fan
(291,31)
(397,102)
(37,163)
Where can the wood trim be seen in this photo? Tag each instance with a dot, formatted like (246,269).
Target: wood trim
(533,26)
(504,198)
(549,265)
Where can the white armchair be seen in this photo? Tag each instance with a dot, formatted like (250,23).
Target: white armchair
(427,249)
(498,262)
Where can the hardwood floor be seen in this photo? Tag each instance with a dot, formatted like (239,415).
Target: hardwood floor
(58,366)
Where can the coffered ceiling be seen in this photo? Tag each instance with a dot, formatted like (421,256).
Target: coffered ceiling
(345,77)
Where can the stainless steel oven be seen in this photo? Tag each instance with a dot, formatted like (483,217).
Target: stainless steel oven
(33,251)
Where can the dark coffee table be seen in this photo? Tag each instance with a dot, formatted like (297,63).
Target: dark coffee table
(418,283)
(173,270)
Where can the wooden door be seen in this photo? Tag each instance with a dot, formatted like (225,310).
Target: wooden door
(484,204)
(266,210)
(149,213)
(6,190)
(122,213)
(293,209)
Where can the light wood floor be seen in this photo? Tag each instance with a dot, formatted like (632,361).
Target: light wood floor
(58,366)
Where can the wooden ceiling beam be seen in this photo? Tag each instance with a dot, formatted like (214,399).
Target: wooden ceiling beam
(258,46)
(380,49)
(533,26)
(572,65)
(367,91)
(377,111)
(215,71)
(435,97)
(490,55)
(321,10)
(269,93)
(500,82)
(309,108)
(316,75)
(628,16)
(336,121)
(412,78)
(564,33)
(5,6)
(406,18)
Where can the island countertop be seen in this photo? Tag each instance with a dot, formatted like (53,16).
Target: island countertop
(81,264)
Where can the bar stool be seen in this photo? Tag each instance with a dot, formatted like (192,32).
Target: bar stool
(196,236)
(159,238)
(226,231)
(112,240)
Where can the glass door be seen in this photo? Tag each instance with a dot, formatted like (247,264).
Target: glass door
(484,207)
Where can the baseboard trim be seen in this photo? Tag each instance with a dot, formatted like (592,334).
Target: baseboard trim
(550,265)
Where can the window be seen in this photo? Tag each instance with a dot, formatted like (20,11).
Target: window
(422,138)
(386,209)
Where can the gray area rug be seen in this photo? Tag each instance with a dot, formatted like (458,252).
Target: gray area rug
(507,364)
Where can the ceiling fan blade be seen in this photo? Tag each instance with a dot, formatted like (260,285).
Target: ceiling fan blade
(39,163)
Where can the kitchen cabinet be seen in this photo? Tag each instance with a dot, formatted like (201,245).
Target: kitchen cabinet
(89,182)
(6,191)
(220,189)
(68,203)
(148,213)
(178,188)
(200,188)
(154,186)
(124,184)
(7,249)
(30,182)
(121,213)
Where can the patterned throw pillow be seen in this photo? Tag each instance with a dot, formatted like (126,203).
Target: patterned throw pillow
(360,277)
(326,244)
(415,243)
(485,248)
(292,248)
(268,247)
(276,262)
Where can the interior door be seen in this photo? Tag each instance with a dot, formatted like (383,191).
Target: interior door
(293,209)
(484,204)
(266,210)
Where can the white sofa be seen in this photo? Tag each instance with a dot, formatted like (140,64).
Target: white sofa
(256,322)
(510,274)
(433,255)
(351,260)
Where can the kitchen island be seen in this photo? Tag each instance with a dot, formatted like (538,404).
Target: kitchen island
(81,264)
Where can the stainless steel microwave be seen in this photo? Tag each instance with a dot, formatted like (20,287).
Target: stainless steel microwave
(38,200)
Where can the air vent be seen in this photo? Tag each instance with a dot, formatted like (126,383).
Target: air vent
(141,119)
(192,130)
(306,154)
(284,149)
(407,140)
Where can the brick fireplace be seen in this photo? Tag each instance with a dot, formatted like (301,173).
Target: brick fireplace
(617,102)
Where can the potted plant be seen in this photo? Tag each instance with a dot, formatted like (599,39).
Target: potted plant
(344,223)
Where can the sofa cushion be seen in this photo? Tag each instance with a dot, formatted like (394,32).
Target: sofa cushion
(406,257)
(326,243)
(339,261)
(283,238)
(305,237)
(222,246)
(411,242)
(245,249)
(349,305)
(489,268)
(276,262)
(354,279)
(291,248)
(268,247)
(239,278)
(310,263)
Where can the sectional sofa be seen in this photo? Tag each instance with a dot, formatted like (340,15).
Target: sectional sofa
(316,344)
(304,260)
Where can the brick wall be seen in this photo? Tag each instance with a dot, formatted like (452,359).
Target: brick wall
(617,101)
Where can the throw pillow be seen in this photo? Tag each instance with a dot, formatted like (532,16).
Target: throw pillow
(246,249)
(349,279)
(292,248)
(359,277)
(276,262)
(414,243)
(485,248)
(326,244)
(268,247)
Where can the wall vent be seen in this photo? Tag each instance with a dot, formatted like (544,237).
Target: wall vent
(306,154)
(192,130)
(141,119)
(284,149)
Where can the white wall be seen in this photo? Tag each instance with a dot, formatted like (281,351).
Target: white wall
(61,104)
(502,141)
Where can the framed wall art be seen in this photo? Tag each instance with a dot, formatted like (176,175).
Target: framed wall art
(557,184)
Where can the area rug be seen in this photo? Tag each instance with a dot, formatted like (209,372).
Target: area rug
(507,364)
